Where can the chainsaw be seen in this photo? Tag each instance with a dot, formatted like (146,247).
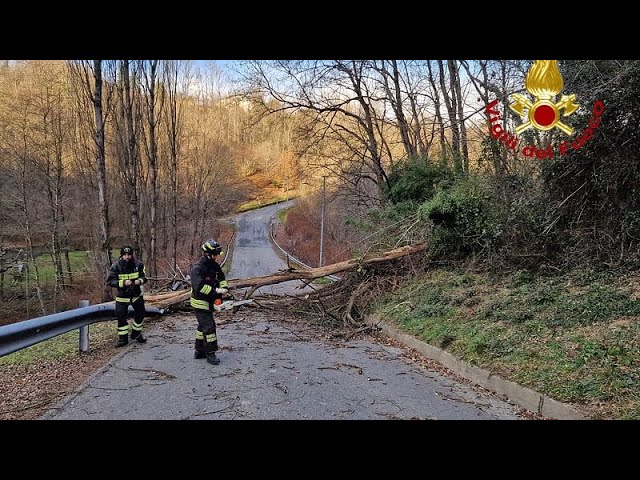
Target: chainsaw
(228,303)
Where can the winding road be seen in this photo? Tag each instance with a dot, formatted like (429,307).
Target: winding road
(254,254)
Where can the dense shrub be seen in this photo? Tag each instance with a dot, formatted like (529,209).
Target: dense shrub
(595,190)
(416,180)
(466,218)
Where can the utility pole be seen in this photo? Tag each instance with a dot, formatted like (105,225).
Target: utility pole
(324,191)
(286,188)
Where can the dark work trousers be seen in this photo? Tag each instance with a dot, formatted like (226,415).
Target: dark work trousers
(207,326)
(138,309)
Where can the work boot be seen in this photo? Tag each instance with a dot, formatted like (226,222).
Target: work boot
(138,338)
(200,353)
(212,359)
(122,341)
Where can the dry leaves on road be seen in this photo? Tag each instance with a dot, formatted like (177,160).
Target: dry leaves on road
(27,391)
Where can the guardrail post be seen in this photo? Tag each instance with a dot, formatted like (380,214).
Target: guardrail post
(84,331)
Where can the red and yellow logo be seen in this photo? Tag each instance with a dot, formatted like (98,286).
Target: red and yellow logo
(544,83)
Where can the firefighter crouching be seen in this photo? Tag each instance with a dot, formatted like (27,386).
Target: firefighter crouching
(208,284)
(127,275)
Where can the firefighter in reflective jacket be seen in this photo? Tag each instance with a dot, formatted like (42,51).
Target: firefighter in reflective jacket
(208,284)
(127,275)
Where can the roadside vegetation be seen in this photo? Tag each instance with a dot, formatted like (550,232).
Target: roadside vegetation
(32,380)
(532,266)
(62,346)
(254,204)
(573,336)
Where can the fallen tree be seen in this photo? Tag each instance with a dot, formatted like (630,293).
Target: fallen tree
(167,299)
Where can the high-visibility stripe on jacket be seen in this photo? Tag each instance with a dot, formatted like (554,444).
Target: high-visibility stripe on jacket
(123,270)
(206,276)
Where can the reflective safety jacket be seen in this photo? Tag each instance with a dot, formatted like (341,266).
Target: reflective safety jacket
(206,276)
(123,270)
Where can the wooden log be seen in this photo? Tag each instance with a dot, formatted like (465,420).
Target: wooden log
(166,299)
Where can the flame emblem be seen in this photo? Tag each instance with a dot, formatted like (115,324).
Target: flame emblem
(544,82)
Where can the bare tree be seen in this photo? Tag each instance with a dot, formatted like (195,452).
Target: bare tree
(456,90)
(25,198)
(452,110)
(129,117)
(50,142)
(497,80)
(417,124)
(154,99)
(439,120)
(89,76)
(391,82)
(176,79)
(336,101)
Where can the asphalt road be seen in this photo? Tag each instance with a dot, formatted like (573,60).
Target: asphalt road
(271,368)
(254,254)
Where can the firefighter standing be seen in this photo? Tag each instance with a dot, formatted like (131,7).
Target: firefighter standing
(208,284)
(127,275)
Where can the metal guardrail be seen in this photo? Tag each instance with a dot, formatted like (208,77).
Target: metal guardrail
(19,335)
(335,278)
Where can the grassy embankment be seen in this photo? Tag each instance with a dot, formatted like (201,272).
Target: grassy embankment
(574,337)
(255,204)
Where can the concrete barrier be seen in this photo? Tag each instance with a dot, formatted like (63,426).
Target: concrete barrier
(522,396)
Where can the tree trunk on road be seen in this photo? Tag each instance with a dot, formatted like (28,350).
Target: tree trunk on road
(164,300)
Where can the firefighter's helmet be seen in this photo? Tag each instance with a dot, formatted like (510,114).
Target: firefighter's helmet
(212,247)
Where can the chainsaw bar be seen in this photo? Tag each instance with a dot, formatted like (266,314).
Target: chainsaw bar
(229,304)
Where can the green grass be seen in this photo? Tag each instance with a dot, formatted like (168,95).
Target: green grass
(79,262)
(46,269)
(282,215)
(574,337)
(65,345)
(254,204)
